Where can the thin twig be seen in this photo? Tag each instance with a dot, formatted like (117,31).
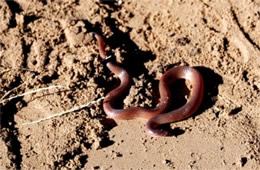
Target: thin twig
(6,69)
(64,112)
(7,93)
(30,92)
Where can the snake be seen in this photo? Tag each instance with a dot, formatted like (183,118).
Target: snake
(158,115)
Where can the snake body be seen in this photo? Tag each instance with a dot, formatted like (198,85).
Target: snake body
(155,116)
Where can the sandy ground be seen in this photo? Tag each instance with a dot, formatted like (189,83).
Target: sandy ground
(46,43)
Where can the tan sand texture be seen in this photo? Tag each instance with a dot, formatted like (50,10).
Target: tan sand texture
(49,60)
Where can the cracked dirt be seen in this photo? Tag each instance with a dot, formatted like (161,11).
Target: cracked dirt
(46,43)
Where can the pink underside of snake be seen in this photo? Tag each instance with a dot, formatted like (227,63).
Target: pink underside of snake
(158,115)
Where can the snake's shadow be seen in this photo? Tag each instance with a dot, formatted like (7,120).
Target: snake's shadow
(133,57)
(211,82)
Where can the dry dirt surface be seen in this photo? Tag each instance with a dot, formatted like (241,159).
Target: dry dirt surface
(49,44)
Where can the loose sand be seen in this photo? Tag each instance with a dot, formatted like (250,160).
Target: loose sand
(46,43)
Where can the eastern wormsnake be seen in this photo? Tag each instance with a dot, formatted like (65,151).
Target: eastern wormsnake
(155,116)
